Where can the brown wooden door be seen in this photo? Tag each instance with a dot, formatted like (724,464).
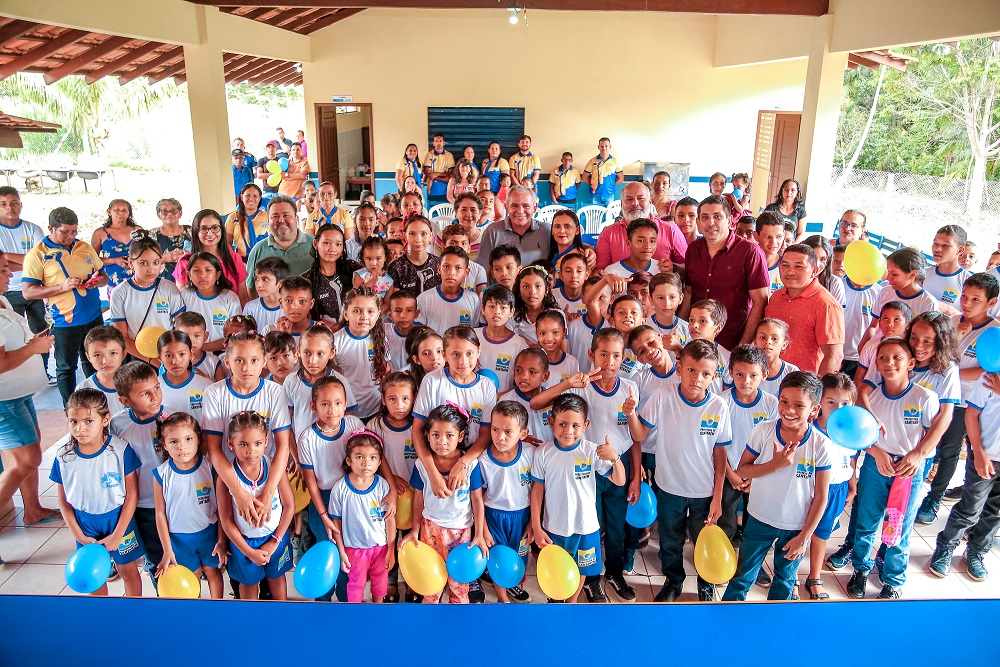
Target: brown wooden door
(329,155)
(786,146)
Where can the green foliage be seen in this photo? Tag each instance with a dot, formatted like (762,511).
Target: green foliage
(267,96)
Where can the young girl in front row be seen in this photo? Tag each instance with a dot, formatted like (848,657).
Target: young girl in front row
(446,521)
(186,509)
(365,534)
(211,294)
(183,389)
(362,348)
(771,335)
(260,549)
(98,478)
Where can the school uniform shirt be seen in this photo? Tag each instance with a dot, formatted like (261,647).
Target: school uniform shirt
(221,402)
(411,168)
(650,382)
(620,269)
(141,307)
(361,512)
(252,486)
(566,367)
(631,366)
(216,309)
(906,417)
(967,350)
(325,453)
(840,460)
(207,364)
(772,385)
(946,287)
(568,305)
(686,441)
(51,264)
(858,313)
(947,385)
(261,314)
(743,417)
(439,163)
(678,328)
(539,424)
(18,240)
(141,434)
(525,329)
(570,478)
(187,396)
(988,404)
(114,402)
(338,216)
(603,172)
(441,313)
(455,511)
(775,277)
(722,379)
(397,348)
(507,486)
(523,165)
(355,355)
(498,356)
(566,182)
(397,445)
(579,335)
(493,169)
(782,498)
(476,278)
(189,495)
(94,483)
(478,398)
(606,416)
(298,392)
(407,275)
(921,302)
(867,358)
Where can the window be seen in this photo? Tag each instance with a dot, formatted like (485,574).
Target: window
(476,127)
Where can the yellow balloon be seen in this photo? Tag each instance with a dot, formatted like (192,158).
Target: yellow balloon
(274,179)
(272,167)
(145,341)
(863,263)
(714,556)
(422,568)
(558,573)
(404,510)
(178,582)
(301,494)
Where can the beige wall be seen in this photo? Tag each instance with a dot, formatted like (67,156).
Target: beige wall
(646,80)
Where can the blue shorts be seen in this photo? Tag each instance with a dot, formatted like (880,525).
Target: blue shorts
(18,423)
(585,548)
(835,502)
(99,526)
(194,550)
(244,571)
(507,528)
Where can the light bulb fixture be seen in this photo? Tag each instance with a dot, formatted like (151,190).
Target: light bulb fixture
(516,13)
(513,19)
(298,68)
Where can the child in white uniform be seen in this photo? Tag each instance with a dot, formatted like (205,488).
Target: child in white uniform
(210,293)
(499,345)
(183,389)
(362,350)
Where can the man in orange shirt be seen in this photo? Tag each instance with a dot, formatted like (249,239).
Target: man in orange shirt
(815,319)
(295,176)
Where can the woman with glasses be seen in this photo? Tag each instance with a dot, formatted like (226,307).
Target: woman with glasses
(789,205)
(207,236)
(112,241)
(173,237)
(850,228)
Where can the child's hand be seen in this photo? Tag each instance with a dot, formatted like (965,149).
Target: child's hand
(542,539)
(617,284)
(606,452)
(571,316)
(984,467)
(714,512)
(265,508)
(390,557)
(963,329)
(665,265)
(401,484)
(283,324)
(488,538)
(329,525)
(456,477)
(259,556)
(222,551)
(293,469)
(634,490)
(345,562)
(247,506)
(480,542)
(796,547)
(992,382)
(784,456)
(167,560)
(409,537)
(883,462)
(909,464)
(629,406)
(532,440)
(581,380)
(672,342)
(734,480)
(111,542)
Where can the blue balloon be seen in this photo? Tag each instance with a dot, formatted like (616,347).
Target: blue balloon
(643,513)
(466,563)
(506,566)
(852,427)
(988,350)
(486,373)
(88,568)
(738,193)
(318,570)
(283,163)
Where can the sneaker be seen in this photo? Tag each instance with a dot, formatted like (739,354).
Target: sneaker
(413,598)
(856,586)
(737,540)
(628,566)
(940,565)
(594,591)
(763,579)
(518,594)
(297,551)
(52,380)
(928,511)
(888,593)
(954,494)
(621,588)
(975,567)
(706,592)
(879,566)
(114,576)
(476,594)
(839,559)
(667,594)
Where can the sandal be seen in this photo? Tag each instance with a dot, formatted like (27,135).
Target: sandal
(813,595)
(391,598)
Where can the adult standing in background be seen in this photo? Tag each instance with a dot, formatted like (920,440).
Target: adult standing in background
(409,166)
(661,200)
(242,173)
(248,157)
(790,206)
(68,273)
(438,164)
(519,229)
(612,244)
(17,237)
(603,174)
(300,139)
(112,241)
(248,223)
(717,184)
(524,164)
(563,182)
(270,153)
(284,241)
(282,143)
(296,174)
(329,213)
(173,237)
(494,165)
(851,227)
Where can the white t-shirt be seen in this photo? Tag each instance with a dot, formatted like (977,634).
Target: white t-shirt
(477,398)
(189,495)
(906,417)
(988,403)
(325,453)
(774,275)
(361,512)
(967,351)
(606,412)
(441,313)
(221,403)
(261,314)
(947,385)
(18,240)
(568,305)
(252,486)
(477,277)
(631,366)
(538,420)
(679,328)
(686,440)
(455,511)
(207,364)
(579,336)
(507,486)
(141,307)
(298,391)
(216,310)
(650,382)
(837,290)
(772,385)
(398,360)
(141,435)
(566,367)
(782,498)
(722,378)
(114,402)
(354,355)
(94,484)
(921,302)
(619,269)
(570,478)
(29,377)
(397,444)
(946,287)
(498,356)
(858,314)
(188,396)
(525,330)
(744,417)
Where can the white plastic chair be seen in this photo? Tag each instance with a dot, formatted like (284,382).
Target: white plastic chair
(546,213)
(441,211)
(592,218)
(614,210)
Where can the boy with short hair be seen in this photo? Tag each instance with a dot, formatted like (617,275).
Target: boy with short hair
(705,321)
(770,236)
(266,308)
(459,235)
(105,350)
(449,304)
(968,257)
(531,372)
(194,325)
(498,344)
(659,374)
(945,281)
(837,261)
(565,475)
(642,234)
(396,247)
(403,312)
(296,307)
(638,287)
(667,292)
(789,462)
(281,355)
(550,331)
(691,440)
(505,264)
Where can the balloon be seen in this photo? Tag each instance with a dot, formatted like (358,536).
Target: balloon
(486,373)
(465,563)
(558,573)
(988,350)
(178,582)
(145,341)
(852,427)
(273,167)
(318,570)
(404,510)
(863,263)
(422,568)
(738,193)
(301,494)
(273,180)
(88,568)
(506,566)
(714,556)
(283,163)
(643,513)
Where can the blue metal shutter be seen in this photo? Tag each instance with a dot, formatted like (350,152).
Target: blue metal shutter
(476,127)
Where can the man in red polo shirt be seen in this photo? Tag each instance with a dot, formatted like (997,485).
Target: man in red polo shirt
(815,319)
(723,266)
(612,244)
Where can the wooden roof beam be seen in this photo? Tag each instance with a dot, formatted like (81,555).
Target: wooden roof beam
(168,71)
(338,15)
(139,70)
(28,59)
(118,63)
(236,64)
(305,18)
(878,59)
(74,65)
(255,68)
(275,67)
(15,29)
(293,79)
(271,79)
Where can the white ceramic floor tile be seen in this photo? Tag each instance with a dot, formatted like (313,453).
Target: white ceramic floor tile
(33,579)
(18,544)
(56,550)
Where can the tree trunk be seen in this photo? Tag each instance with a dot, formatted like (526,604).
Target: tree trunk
(977,185)
(864,133)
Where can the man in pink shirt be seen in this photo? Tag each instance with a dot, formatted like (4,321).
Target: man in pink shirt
(612,244)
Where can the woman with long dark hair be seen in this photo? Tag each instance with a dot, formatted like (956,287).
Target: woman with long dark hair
(207,236)
(331,273)
(790,205)
(248,223)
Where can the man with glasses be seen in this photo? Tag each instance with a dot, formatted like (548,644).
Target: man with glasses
(851,227)
(612,244)
(284,241)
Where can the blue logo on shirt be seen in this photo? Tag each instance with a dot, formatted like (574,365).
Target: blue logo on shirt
(219,317)
(911,414)
(582,468)
(162,305)
(524,474)
(465,317)
(111,480)
(128,543)
(503,363)
(375,511)
(462,496)
(805,468)
(758,417)
(409,451)
(622,419)
(950,294)
(709,424)
(476,413)
(196,397)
